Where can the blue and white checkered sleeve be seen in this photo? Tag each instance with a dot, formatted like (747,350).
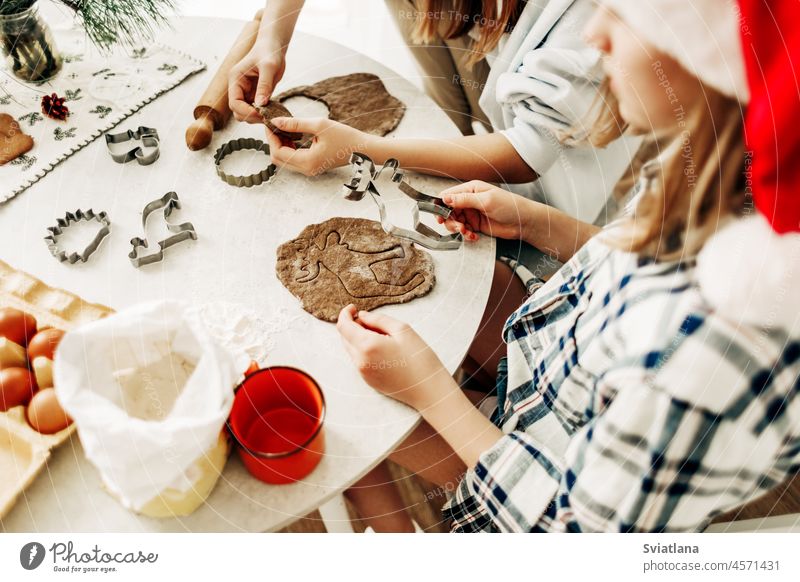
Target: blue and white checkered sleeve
(677,444)
(672,450)
(512,485)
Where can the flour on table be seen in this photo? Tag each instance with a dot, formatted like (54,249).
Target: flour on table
(243,331)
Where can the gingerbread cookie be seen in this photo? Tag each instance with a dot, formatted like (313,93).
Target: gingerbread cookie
(359,100)
(352,260)
(13,141)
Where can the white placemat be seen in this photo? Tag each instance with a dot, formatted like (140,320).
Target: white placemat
(100,91)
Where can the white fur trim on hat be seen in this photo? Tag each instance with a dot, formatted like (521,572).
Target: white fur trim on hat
(751,275)
(702,35)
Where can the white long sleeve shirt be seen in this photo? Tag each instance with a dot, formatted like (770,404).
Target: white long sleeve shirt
(543,81)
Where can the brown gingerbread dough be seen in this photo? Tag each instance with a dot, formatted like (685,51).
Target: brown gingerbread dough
(352,260)
(13,141)
(275,109)
(359,100)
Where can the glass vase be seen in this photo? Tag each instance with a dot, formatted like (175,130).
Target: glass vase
(28,46)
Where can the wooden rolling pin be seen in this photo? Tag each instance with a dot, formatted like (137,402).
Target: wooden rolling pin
(212,111)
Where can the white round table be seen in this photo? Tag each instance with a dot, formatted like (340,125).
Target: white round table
(234,260)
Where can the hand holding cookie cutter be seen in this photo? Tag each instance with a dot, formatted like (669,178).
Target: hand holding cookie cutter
(185,231)
(364,177)
(69,219)
(149,139)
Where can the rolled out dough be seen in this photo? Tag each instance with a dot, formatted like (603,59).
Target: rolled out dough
(352,260)
(359,100)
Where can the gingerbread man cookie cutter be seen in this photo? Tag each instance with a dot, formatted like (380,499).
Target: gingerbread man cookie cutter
(363,180)
(69,219)
(149,138)
(181,232)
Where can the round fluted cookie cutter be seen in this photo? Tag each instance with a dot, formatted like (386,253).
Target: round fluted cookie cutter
(235,145)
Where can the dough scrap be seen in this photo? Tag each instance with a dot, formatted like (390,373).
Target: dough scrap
(275,109)
(359,100)
(13,141)
(352,260)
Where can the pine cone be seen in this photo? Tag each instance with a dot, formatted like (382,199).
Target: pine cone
(54,108)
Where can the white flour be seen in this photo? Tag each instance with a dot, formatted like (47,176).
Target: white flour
(241,330)
(150,392)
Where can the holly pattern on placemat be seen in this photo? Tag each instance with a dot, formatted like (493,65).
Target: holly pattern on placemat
(99,90)
(60,134)
(25,161)
(32,118)
(101,111)
(167,68)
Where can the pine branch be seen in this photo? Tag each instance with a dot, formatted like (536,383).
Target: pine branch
(8,7)
(109,22)
(127,22)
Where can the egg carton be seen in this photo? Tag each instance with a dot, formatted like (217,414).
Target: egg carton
(23,451)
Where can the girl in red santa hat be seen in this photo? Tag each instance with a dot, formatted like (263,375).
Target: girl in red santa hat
(652,383)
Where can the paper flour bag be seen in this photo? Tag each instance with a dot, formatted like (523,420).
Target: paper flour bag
(149,390)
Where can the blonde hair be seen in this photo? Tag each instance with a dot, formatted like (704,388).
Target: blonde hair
(698,182)
(453,18)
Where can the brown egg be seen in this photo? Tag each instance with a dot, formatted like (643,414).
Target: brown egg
(12,355)
(44,344)
(17,386)
(45,414)
(17,326)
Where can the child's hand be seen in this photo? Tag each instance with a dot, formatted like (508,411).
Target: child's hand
(332,144)
(253,78)
(392,358)
(479,207)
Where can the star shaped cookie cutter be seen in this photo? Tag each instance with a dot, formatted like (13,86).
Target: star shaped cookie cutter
(149,139)
(364,177)
(69,219)
(182,232)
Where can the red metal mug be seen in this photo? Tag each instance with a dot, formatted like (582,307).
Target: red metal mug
(276,420)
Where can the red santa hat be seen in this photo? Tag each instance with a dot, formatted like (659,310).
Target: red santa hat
(771,42)
(750,270)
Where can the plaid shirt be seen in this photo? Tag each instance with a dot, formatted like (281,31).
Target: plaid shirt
(628,404)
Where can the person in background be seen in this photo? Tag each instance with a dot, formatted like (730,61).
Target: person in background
(519,69)
(536,79)
(653,382)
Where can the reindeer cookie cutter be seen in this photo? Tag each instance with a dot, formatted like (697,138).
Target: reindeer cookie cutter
(363,180)
(182,232)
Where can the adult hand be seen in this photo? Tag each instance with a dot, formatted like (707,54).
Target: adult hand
(331,145)
(393,359)
(253,79)
(479,207)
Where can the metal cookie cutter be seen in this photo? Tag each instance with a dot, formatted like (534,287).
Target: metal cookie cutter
(364,177)
(182,232)
(235,145)
(69,219)
(149,139)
